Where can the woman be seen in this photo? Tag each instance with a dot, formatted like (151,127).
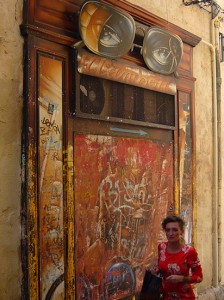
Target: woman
(178,262)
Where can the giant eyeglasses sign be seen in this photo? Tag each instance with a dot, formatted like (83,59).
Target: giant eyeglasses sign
(161,50)
(110,32)
(105,30)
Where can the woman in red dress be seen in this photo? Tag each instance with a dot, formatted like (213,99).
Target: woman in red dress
(178,262)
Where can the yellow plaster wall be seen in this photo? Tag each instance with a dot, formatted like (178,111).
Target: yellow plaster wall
(221,225)
(11,81)
(204,159)
(192,18)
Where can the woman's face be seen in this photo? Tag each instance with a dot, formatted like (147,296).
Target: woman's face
(173,232)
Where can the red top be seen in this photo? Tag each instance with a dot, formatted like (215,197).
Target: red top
(185,262)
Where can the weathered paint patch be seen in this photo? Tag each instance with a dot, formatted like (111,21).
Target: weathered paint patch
(32,225)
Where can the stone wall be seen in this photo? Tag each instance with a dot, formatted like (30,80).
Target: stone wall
(11,101)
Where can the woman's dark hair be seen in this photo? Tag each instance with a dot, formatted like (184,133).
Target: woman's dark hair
(175,219)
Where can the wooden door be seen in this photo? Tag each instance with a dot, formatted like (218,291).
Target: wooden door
(124,183)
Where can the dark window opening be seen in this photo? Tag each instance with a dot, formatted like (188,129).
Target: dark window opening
(104,99)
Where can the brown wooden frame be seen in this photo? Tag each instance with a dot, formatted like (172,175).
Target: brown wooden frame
(30,240)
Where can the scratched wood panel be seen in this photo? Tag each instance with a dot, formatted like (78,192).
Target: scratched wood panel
(123,189)
(51,248)
(54,16)
(186,64)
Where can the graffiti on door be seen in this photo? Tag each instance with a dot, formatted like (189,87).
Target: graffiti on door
(51,236)
(123,188)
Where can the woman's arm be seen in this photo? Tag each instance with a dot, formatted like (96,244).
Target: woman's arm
(196,274)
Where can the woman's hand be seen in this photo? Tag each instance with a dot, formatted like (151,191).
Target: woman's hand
(153,267)
(175,278)
(154,270)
